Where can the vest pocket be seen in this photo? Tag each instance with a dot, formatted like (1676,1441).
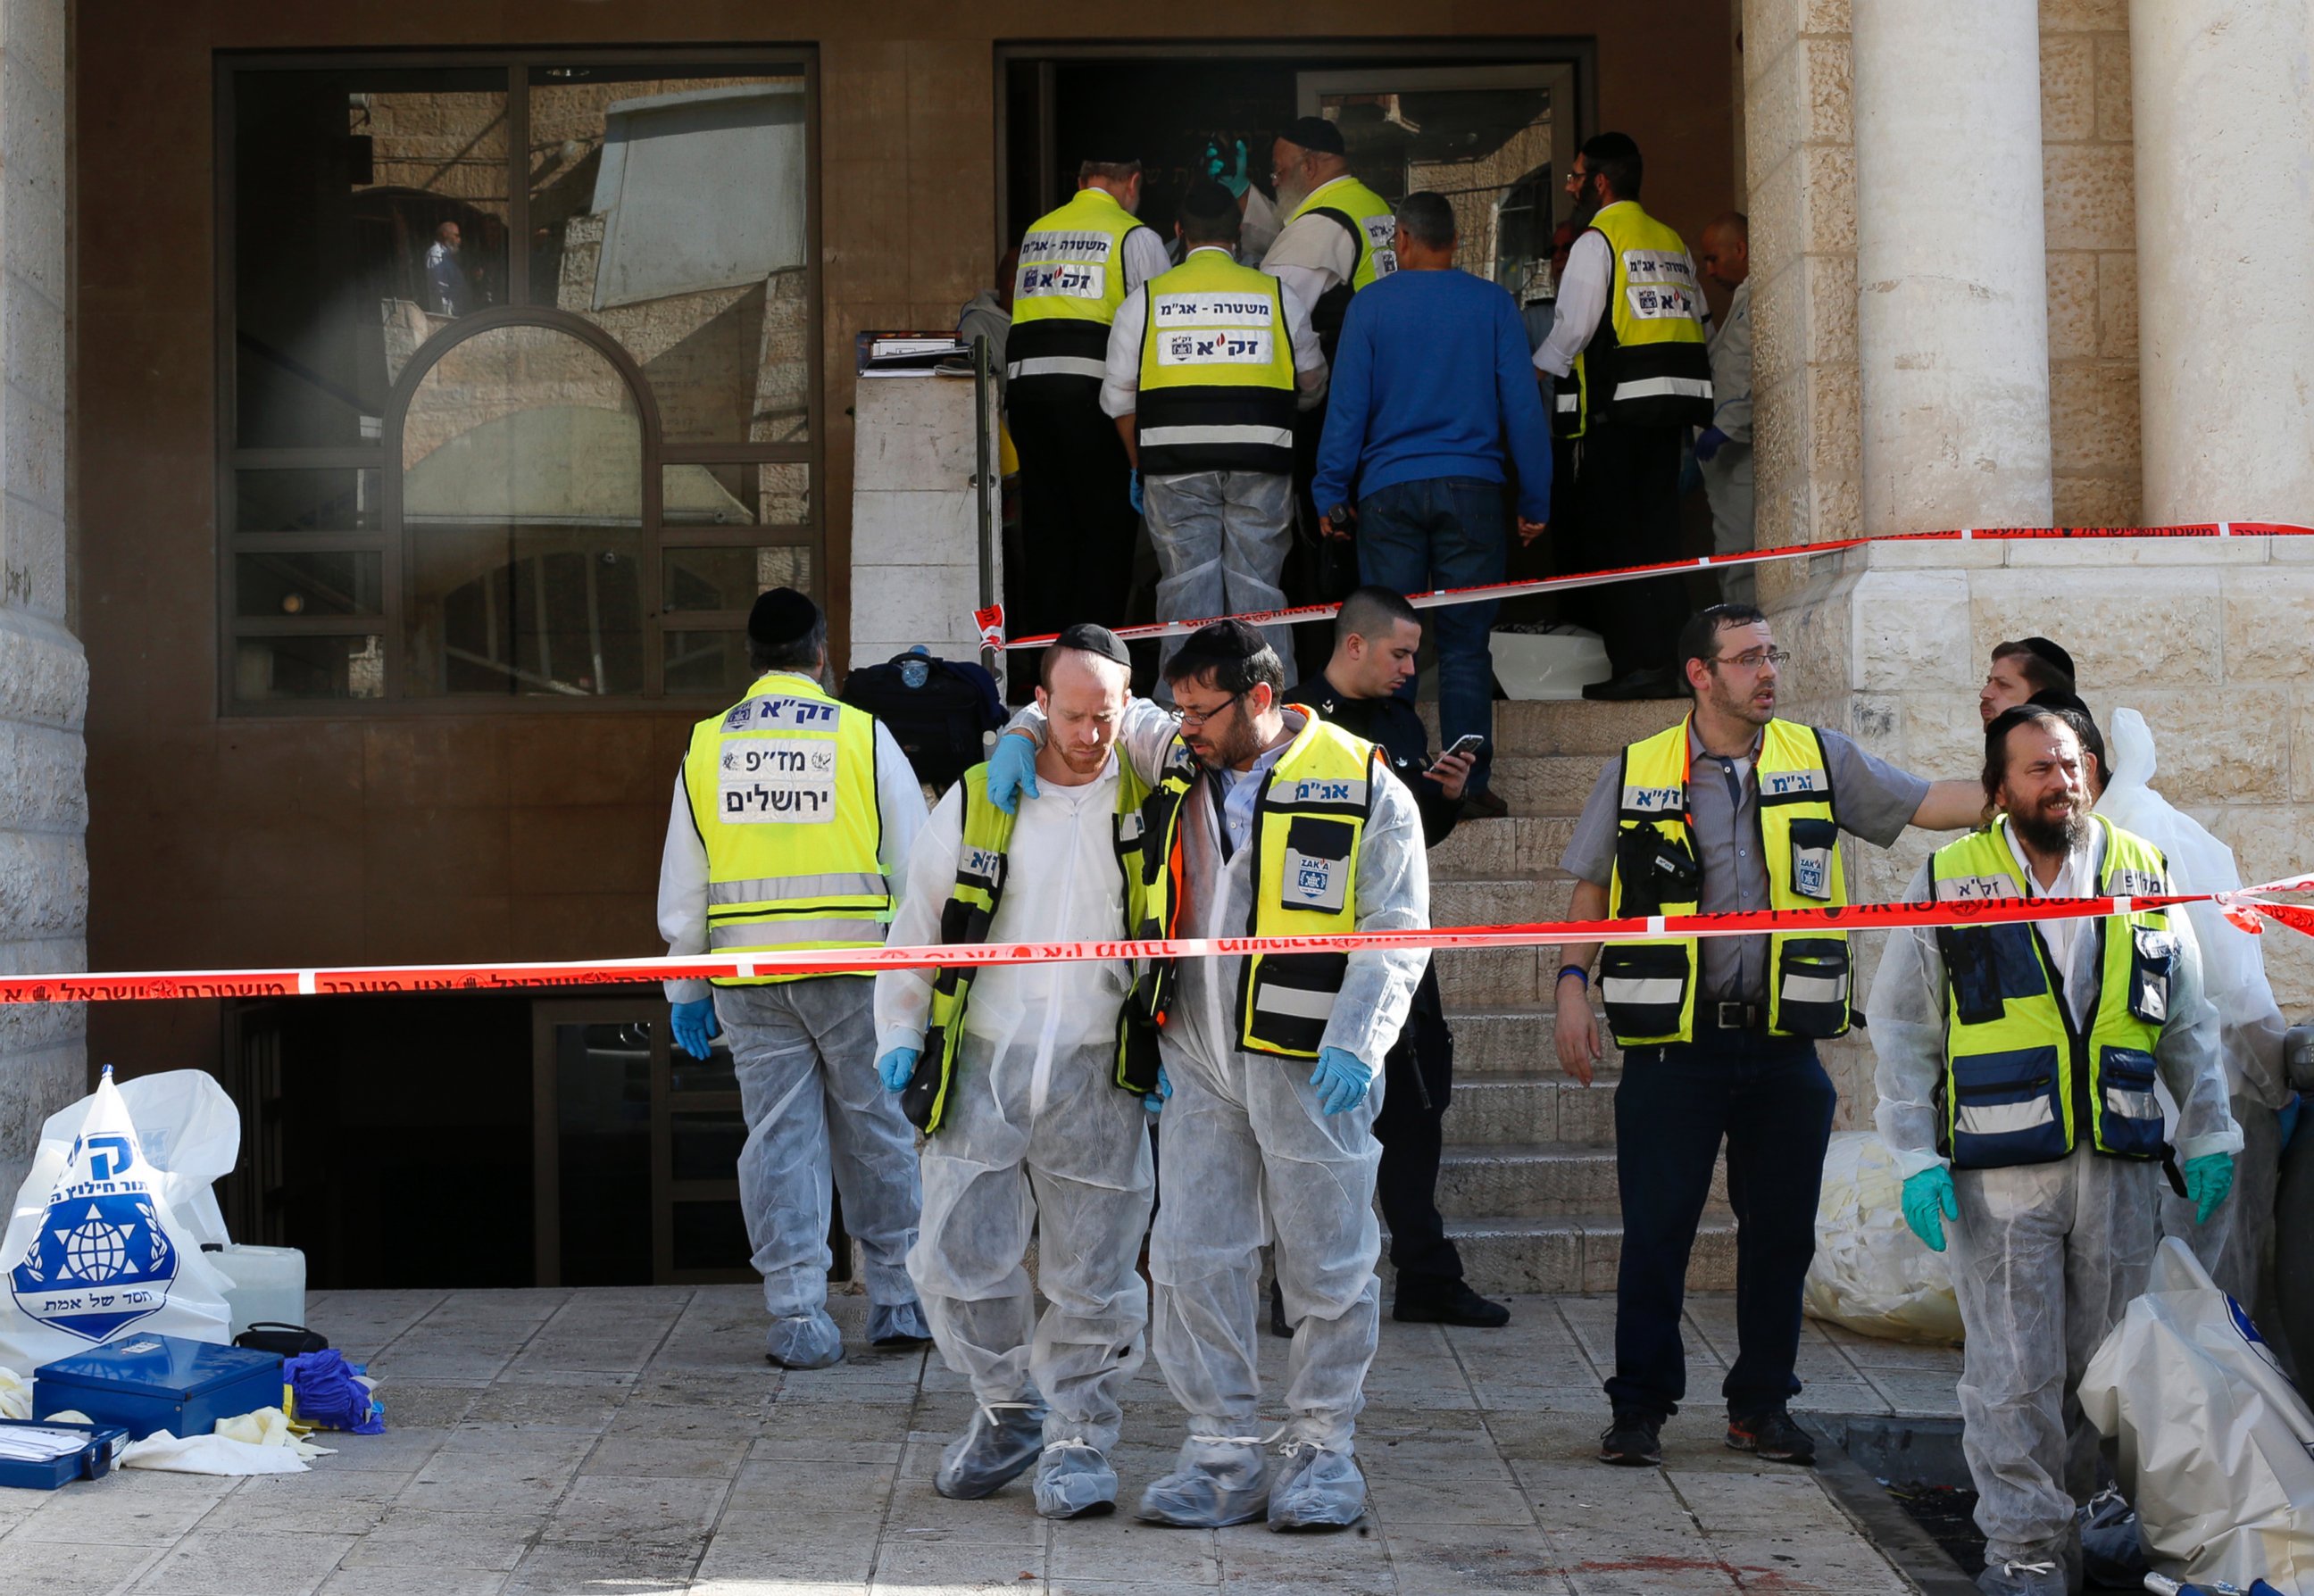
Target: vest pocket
(1988,964)
(1812,986)
(1813,842)
(1291,997)
(1317,868)
(1652,869)
(2152,955)
(1644,985)
(2130,1121)
(2005,1109)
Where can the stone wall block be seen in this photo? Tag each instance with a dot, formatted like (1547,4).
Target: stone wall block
(1778,218)
(2113,500)
(1774,102)
(1830,290)
(38,1085)
(2116,334)
(42,785)
(1780,325)
(34,31)
(2072,306)
(43,675)
(2124,631)
(1825,115)
(1937,556)
(1836,461)
(32,462)
(32,345)
(2084,17)
(2246,761)
(1771,28)
(1912,631)
(2068,86)
(44,884)
(2093,420)
(2301,748)
(2105,553)
(1943,734)
(1828,193)
(2116,119)
(33,240)
(2268,840)
(2087,199)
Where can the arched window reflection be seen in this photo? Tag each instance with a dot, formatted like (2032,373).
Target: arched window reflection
(522,511)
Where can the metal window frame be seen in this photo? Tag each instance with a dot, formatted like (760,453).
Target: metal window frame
(391,540)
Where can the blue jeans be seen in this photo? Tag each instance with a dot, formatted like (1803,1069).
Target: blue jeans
(1770,1099)
(1444,531)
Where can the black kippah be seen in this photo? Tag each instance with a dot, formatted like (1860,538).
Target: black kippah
(1225,640)
(1094,639)
(2046,650)
(1314,133)
(781,616)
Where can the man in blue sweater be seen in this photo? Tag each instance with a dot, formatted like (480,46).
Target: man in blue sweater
(1435,418)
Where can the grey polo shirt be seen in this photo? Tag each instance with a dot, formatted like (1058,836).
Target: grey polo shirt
(1870,798)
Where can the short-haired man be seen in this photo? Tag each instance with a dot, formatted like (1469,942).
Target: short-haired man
(792,814)
(1013,1074)
(1434,418)
(1206,367)
(2020,669)
(1078,266)
(1628,345)
(2017,1072)
(1376,638)
(1723,450)
(1731,809)
(1264,821)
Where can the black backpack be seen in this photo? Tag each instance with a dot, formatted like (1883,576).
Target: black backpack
(938,710)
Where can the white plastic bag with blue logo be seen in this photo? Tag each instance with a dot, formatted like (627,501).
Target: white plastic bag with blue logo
(107,1231)
(2214,1440)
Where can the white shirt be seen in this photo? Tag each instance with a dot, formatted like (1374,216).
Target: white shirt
(683,863)
(1582,300)
(1145,258)
(1062,884)
(2077,877)
(1121,388)
(1314,254)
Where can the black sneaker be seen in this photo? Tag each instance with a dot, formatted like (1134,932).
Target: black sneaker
(1773,1436)
(1460,1305)
(1632,1442)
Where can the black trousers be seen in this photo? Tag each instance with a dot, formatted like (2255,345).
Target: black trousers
(1627,509)
(1418,1077)
(1077,523)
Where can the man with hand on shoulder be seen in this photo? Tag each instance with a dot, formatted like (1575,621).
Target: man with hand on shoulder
(1031,1108)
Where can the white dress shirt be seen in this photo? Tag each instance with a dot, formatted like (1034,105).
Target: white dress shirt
(1582,300)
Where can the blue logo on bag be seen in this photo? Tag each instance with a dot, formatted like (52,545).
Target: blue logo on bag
(99,1261)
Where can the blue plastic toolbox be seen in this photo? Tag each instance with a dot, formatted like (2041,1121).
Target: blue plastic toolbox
(159,1382)
(92,1457)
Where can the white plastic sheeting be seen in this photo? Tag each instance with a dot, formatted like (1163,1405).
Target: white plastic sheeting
(1871,1273)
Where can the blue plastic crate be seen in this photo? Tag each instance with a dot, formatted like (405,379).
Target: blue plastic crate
(92,1460)
(146,1384)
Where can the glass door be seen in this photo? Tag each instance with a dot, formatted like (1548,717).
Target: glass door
(1492,139)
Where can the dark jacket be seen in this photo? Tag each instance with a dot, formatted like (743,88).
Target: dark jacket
(1394,725)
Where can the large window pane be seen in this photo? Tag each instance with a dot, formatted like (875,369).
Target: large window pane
(522,501)
(306,501)
(309,667)
(736,495)
(370,210)
(706,662)
(331,584)
(669,207)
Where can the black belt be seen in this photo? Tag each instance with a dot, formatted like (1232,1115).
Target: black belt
(1731,1016)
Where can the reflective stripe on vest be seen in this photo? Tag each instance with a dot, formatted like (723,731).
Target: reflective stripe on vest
(966,918)
(783,788)
(2018,1078)
(1651,987)
(1216,370)
(1646,364)
(1065,294)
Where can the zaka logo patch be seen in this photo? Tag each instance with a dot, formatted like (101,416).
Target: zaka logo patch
(100,1260)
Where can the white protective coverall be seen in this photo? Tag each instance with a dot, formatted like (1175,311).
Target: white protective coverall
(2233,1246)
(2045,1256)
(1036,1130)
(1245,1151)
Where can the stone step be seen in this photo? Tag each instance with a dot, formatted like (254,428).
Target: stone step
(1575,1252)
(1541,1105)
(1570,726)
(1480,849)
(1495,978)
(1545,784)
(1514,900)
(1533,1180)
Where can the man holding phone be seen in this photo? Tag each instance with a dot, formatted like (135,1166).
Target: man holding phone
(1376,638)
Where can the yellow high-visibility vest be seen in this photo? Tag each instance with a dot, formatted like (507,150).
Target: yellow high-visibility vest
(1646,364)
(1064,298)
(1216,370)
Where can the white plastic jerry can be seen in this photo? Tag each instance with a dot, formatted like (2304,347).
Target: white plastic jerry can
(268,1284)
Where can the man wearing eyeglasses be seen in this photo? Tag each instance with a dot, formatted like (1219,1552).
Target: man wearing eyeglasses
(1263,820)
(1731,809)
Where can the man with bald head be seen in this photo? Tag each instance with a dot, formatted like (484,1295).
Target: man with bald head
(1723,450)
(1013,1072)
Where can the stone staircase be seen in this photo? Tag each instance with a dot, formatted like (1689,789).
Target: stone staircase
(1527,1182)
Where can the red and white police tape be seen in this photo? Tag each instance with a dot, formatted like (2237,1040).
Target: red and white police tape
(2246,908)
(991,620)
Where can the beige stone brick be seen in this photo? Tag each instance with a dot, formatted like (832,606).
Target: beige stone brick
(1824,17)
(1826,114)
(2072,306)
(2068,87)
(1911,631)
(2112,554)
(2093,423)
(1775,207)
(1774,97)
(2124,631)
(2095,501)
(2086,197)
(2266,622)
(1831,283)
(1770,29)
(1828,197)
(1942,733)
(1780,313)
(2247,764)
(2116,336)
(2075,17)
(1835,453)
(2269,840)
(2116,115)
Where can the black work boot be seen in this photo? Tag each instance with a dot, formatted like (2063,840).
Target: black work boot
(1632,1440)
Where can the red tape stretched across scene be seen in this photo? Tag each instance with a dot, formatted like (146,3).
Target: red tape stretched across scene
(989,622)
(2243,907)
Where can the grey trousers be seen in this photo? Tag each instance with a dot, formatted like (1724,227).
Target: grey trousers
(1728,484)
(1221,537)
(805,1052)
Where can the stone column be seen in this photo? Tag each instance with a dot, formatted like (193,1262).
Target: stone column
(1951,277)
(2225,256)
(43,675)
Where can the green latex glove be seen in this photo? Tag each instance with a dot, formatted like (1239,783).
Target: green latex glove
(2208,1179)
(1928,1201)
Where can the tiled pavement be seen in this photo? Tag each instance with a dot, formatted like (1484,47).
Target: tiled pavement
(619,1443)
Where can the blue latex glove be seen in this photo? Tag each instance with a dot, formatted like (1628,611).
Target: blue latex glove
(1217,168)
(895,1068)
(1153,1104)
(2208,1179)
(1710,443)
(1341,1078)
(695,1026)
(1133,492)
(2287,1120)
(1927,1196)
(1011,773)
